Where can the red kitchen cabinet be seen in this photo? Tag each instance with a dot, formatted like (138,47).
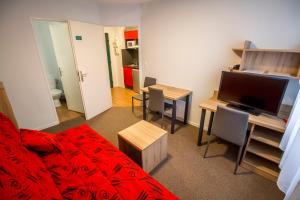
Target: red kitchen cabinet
(131,35)
(128,80)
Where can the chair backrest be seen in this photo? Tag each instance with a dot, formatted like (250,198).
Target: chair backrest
(156,100)
(149,81)
(230,125)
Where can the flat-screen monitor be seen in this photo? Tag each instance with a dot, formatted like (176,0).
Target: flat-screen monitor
(255,93)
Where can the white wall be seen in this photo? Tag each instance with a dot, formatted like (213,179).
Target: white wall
(46,50)
(188,43)
(20,65)
(120,14)
(116,34)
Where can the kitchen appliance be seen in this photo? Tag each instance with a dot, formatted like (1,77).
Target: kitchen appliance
(131,44)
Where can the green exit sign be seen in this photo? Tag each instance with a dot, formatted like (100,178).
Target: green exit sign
(78,37)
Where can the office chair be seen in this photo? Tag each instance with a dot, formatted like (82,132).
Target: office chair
(230,125)
(157,103)
(148,82)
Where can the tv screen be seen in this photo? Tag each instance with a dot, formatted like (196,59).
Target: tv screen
(256,92)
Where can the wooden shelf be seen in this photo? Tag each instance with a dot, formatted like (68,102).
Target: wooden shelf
(280,62)
(261,166)
(267,136)
(238,52)
(274,50)
(264,151)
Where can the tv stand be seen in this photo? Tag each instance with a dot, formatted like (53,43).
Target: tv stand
(244,108)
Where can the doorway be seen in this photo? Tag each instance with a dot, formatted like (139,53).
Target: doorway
(55,48)
(122,48)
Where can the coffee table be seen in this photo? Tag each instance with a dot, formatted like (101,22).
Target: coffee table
(144,143)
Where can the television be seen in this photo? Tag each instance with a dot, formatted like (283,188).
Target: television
(254,93)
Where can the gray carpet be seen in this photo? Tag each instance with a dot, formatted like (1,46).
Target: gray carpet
(185,172)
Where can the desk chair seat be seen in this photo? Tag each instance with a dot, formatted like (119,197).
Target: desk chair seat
(230,125)
(148,82)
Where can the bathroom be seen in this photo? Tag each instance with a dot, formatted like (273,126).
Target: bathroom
(56,54)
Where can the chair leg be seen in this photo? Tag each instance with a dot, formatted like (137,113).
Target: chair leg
(132,104)
(238,159)
(147,114)
(206,149)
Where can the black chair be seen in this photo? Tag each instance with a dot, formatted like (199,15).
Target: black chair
(148,82)
(157,103)
(230,125)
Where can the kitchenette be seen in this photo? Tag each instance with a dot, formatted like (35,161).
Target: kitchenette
(130,60)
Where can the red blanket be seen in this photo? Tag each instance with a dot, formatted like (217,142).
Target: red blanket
(75,164)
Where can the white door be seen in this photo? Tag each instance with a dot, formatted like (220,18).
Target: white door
(89,47)
(66,62)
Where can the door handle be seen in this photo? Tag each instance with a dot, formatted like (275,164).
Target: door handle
(82,76)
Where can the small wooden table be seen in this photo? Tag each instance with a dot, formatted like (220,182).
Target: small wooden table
(170,93)
(144,143)
(269,122)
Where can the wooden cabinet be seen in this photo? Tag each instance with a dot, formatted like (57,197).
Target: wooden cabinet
(131,35)
(262,154)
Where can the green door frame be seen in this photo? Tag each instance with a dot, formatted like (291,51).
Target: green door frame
(109,60)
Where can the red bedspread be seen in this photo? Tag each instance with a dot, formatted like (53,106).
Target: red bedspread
(75,164)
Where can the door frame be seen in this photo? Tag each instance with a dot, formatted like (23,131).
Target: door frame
(141,75)
(32,19)
(107,45)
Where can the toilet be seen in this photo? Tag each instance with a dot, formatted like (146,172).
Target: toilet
(56,93)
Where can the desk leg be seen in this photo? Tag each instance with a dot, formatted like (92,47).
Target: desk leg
(211,119)
(144,106)
(202,119)
(173,117)
(186,109)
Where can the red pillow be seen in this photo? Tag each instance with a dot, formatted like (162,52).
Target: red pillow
(40,141)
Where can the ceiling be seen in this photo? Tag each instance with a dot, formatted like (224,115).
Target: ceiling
(122,1)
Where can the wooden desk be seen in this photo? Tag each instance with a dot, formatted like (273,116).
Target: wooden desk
(171,93)
(262,153)
(269,122)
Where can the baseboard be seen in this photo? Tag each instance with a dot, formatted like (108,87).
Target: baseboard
(197,125)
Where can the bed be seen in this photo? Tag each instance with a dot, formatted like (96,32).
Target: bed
(75,164)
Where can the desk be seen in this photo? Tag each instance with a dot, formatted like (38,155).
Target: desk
(170,93)
(269,122)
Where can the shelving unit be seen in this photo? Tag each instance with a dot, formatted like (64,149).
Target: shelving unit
(281,62)
(262,153)
(261,166)
(267,136)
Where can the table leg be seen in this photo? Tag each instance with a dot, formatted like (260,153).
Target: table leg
(211,119)
(144,105)
(173,117)
(186,109)
(202,119)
